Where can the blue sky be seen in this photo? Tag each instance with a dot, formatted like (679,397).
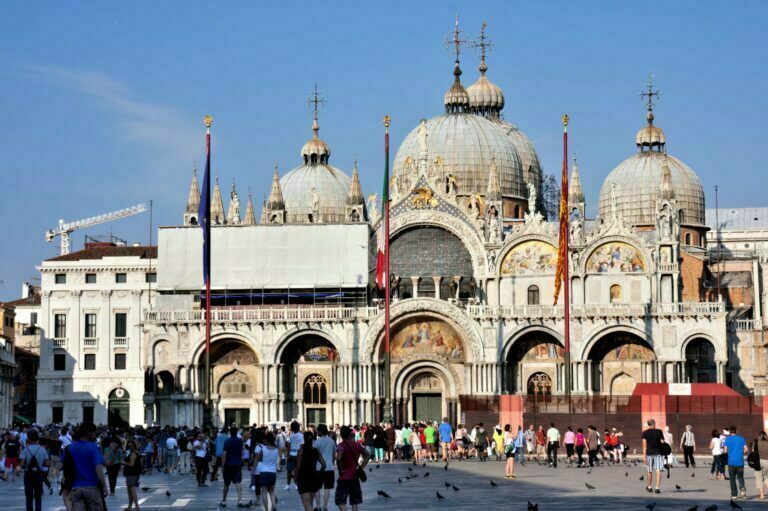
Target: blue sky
(103,101)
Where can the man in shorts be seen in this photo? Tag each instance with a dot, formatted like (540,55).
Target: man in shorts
(347,454)
(429,439)
(326,446)
(294,443)
(12,451)
(652,440)
(446,437)
(232,466)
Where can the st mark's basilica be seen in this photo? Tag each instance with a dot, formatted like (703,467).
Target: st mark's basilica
(298,322)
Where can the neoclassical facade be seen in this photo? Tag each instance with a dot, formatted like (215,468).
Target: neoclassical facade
(298,323)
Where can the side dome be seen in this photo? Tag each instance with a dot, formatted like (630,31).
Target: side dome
(529,159)
(638,181)
(309,190)
(465,146)
(485,97)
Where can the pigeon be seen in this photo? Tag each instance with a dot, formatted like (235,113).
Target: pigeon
(377,466)
(426,474)
(693,474)
(694,508)
(642,477)
(410,469)
(370,470)
(424,465)
(493,484)
(713,507)
(447,485)
(650,507)
(533,507)
(589,486)
(167,493)
(455,488)
(414,463)
(384,494)
(589,471)
(678,487)
(400,481)
(144,488)
(439,497)
(626,474)
(446,466)
(735,505)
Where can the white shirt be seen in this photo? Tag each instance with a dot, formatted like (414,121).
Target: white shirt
(65,440)
(269,457)
(171,443)
(325,446)
(200,449)
(296,440)
(716,446)
(553,435)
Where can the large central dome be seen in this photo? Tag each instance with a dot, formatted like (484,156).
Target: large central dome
(465,146)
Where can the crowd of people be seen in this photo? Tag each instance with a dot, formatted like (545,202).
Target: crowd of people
(83,464)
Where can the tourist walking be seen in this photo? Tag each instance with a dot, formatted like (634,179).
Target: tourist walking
(716,447)
(760,450)
(653,455)
(553,444)
(541,442)
(520,446)
(84,460)
(34,460)
(530,442)
(592,441)
(308,478)
(445,432)
(569,439)
(292,445)
(391,436)
(481,442)
(12,449)
(579,445)
(735,448)
(184,455)
(326,446)
(499,441)
(688,446)
(113,459)
(348,488)
(232,467)
(267,456)
(508,441)
(202,458)
(132,473)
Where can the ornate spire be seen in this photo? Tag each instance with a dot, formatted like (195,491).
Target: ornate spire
(193,199)
(666,191)
(484,43)
(355,190)
(575,191)
(217,205)
(233,214)
(456,99)
(250,217)
(275,200)
(315,151)
(650,137)
(494,186)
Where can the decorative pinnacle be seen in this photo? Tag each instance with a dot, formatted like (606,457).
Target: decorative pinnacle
(650,94)
(456,42)
(208,120)
(386,123)
(485,44)
(565,122)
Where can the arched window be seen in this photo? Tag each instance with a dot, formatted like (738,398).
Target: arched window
(615,293)
(533,295)
(315,390)
(687,238)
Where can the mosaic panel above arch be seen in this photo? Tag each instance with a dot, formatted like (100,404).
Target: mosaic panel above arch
(616,257)
(426,337)
(532,257)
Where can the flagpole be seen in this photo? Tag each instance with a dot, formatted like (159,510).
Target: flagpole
(566,273)
(207,262)
(387,415)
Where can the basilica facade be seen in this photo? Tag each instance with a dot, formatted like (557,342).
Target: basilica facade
(298,323)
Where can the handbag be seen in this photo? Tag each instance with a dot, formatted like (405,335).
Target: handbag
(666,449)
(753,458)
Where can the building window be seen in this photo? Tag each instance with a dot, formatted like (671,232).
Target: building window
(89,362)
(59,362)
(121,324)
(315,390)
(120,361)
(61,278)
(88,413)
(533,295)
(57,414)
(121,278)
(90,278)
(150,277)
(615,293)
(688,238)
(60,326)
(90,326)
(33,318)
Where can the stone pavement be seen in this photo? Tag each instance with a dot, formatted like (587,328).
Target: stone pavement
(616,488)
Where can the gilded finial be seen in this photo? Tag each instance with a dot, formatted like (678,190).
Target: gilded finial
(456,41)
(386,123)
(565,121)
(194,167)
(208,120)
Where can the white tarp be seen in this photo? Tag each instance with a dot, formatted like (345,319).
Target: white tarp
(265,256)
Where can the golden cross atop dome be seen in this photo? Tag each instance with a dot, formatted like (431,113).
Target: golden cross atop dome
(650,94)
(456,40)
(315,99)
(483,42)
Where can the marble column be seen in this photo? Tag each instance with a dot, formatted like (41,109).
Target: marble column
(415,286)
(437,279)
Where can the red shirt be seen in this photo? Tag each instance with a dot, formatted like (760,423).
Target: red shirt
(348,453)
(541,438)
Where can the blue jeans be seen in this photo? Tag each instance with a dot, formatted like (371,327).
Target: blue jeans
(734,473)
(520,455)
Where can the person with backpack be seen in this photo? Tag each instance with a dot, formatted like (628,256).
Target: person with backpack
(348,487)
(132,473)
(34,460)
(184,467)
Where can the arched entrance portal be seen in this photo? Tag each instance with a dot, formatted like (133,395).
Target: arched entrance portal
(620,360)
(535,353)
(540,384)
(119,408)
(308,369)
(423,393)
(234,376)
(700,361)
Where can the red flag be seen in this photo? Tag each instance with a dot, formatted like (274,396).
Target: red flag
(382,253)
(562,248)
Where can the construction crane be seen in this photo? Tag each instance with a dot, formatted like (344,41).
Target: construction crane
(66,228)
